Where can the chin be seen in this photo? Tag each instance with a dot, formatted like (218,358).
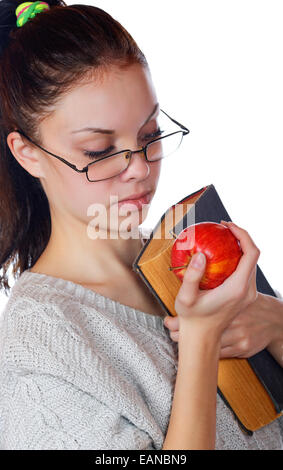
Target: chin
(131,223)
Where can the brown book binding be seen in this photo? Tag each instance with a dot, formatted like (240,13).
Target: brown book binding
(242,389)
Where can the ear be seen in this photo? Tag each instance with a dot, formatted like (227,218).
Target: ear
(25,153)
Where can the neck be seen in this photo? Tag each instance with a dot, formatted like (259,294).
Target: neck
(71,254)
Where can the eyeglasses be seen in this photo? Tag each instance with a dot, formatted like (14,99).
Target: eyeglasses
(113,164)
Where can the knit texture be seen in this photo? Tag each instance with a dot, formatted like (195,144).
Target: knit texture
(81,371)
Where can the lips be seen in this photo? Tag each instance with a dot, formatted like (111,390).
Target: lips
(138,202)
(135,196)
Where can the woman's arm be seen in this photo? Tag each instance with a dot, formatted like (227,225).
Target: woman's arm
(193,415)
(203,316)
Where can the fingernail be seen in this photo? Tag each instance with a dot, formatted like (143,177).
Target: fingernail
(198,260)
(166,324)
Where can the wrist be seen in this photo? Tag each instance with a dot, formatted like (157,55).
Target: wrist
(200,328)
(199,345)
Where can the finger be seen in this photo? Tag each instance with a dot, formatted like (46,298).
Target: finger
(174,335)
(253,286)
(237,350)
(248,259)
(251,292)
(230,351)
(229,337)
(189,289)
(172,323)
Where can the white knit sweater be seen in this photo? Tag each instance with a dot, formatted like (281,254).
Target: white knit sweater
(81,371)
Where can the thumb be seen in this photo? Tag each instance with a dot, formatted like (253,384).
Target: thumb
(192,276)
(195,270)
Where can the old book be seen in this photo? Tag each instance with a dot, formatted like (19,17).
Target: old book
(253,387)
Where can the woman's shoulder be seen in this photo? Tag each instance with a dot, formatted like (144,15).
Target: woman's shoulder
(35,332)
(43,297)
(28,298)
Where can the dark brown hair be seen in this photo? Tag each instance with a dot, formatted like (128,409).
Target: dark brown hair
(40,61)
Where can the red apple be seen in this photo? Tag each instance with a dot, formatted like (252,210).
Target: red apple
(221,248)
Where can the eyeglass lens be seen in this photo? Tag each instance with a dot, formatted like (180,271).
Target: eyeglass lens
(116,164)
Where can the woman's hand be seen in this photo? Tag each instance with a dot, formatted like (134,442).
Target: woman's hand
(252,330)
(216,308)
(255,328)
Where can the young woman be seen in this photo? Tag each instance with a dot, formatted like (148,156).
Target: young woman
(86,362)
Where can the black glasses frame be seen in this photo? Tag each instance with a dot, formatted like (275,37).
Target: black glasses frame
(184,131)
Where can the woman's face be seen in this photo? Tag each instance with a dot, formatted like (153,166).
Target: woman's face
(122,101)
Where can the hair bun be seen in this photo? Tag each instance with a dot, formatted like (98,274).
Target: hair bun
(8,18)
(27,10)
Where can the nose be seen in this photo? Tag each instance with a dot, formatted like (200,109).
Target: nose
(139,167)
(140,150)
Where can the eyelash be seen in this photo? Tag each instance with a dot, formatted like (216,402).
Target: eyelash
(92,154)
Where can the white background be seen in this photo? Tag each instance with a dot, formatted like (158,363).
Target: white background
(217,69)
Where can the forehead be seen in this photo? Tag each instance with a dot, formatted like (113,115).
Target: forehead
(120,96)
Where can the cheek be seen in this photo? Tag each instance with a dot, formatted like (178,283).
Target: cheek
(155,170)
(92,197)
(79,196)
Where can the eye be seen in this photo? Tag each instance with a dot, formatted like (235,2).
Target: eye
(157,133)
(102,153)
(92,154)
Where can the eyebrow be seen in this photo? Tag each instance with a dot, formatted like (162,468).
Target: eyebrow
(111,131)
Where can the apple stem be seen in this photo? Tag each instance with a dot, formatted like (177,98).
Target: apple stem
(177,267)
(174,234)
